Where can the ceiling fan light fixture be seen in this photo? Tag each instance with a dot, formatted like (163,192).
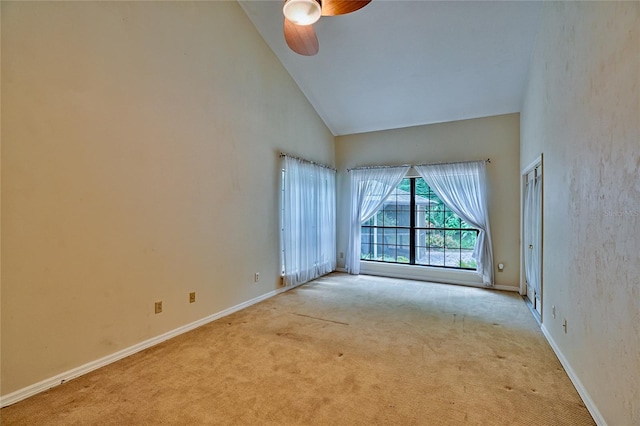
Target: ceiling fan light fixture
(302,12)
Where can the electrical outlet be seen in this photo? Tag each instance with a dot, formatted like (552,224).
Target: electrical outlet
(341,255)
(256,277)
(158,307)
(192,297)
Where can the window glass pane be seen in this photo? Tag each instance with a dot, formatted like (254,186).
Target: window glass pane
(404,214)
(435,217)
(452,258)
(389,236)
(403,236)
(376,253)
(422,189)
(452,220)
(389,218)
(421,215)
(390,252)
(435,238)
(452,239)
(405,185)
(469,239)
(403,254)
(436,257)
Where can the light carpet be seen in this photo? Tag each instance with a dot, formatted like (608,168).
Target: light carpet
(341,350)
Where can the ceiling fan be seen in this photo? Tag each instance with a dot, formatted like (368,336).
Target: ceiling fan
(300,15)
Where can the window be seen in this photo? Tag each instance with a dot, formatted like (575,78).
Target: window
(415,227)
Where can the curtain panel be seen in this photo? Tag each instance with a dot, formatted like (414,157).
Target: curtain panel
(308,221)
(533,230)
(463,188)
(369,189)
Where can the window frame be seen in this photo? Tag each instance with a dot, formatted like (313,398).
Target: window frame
(413,229)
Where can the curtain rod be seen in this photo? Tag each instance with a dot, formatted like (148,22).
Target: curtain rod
(377,167)
(488,160)
(282,154)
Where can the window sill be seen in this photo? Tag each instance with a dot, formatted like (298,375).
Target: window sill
(422,273)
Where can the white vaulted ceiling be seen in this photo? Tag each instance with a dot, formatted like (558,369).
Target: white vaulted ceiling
(399,63)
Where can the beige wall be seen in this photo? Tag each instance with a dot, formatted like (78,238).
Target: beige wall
(494,137)
(139,163)
(581,110)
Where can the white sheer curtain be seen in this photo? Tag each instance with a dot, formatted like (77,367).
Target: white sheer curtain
(462,187)
(308,221)
(532,231)
(369,188)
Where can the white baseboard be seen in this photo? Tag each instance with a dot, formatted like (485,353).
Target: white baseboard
(505,288)
(586,398)
(59,379)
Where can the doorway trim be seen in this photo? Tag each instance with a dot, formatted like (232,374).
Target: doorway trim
(537,163)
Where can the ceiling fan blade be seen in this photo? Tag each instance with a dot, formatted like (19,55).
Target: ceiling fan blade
(301,38)
(341,7)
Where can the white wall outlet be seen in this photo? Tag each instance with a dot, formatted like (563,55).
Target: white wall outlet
(256,277)
(341,255)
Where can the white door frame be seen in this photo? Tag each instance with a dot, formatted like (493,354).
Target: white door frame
(537,163)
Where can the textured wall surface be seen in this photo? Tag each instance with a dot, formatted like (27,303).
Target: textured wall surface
(140,163)
(491,137)
(581,110)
